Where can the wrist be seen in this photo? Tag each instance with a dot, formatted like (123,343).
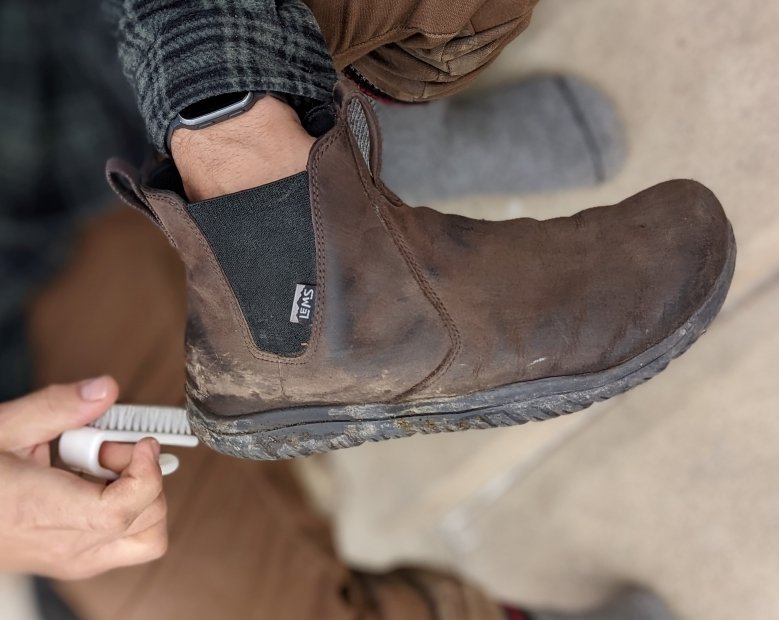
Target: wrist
(264,144)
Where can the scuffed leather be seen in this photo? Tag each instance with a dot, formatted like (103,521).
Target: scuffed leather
(415,304)
(572,295)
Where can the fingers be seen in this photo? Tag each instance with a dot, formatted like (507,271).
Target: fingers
(51,498)
(138,486)
(131,504)
(66,526)
(43,415)
(116,456)
(146,546)
(155,513)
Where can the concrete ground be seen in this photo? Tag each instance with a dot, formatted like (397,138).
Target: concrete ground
(675,485)
(16,598)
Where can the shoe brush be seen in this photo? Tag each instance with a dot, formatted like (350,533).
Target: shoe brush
(80,448)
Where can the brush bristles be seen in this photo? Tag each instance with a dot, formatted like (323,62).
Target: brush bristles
(144,420)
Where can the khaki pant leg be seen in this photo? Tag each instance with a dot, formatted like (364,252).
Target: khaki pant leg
(244,543)
(415,50)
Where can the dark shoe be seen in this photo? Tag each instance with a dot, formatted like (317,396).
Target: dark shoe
(325,317)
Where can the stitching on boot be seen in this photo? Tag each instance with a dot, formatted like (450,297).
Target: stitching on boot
(229,295)
(424,285)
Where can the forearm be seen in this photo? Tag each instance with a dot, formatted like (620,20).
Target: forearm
(175,53)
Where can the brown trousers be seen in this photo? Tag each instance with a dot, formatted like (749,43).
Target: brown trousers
(244,544)
(415,50)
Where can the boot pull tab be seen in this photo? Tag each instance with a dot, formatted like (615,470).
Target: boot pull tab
(124,179)
(357,111)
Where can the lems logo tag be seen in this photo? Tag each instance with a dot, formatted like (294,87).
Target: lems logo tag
(303,304)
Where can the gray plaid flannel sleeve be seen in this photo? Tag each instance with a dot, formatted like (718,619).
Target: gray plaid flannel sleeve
(178,52)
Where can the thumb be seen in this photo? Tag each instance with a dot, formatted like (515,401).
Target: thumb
(139,484)
(43,415)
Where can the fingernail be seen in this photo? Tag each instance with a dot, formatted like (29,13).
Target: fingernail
(94,389)
(155,446)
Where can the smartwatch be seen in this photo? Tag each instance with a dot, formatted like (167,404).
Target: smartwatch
(213,110)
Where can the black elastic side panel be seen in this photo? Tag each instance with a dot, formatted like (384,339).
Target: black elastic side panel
(264,240)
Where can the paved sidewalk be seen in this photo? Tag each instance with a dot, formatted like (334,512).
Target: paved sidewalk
(674,484)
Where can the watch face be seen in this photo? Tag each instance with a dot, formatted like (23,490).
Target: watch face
(212,104)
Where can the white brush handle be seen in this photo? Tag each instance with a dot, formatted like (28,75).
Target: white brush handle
(80,449)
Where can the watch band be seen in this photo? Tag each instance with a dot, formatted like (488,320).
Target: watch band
(213,116)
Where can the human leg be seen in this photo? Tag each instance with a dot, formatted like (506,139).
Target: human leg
(418,50)
(244,541)
(542,133)
(425,329)
(381,357)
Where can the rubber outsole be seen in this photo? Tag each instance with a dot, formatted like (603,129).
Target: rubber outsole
(302,431)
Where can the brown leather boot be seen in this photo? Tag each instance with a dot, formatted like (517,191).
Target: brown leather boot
(365,319)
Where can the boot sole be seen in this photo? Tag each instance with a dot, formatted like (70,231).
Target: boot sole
(301,431)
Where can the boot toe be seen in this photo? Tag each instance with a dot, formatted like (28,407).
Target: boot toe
(683,253)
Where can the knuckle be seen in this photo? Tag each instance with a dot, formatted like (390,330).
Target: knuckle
(60,555)
(92,571)
(116,521)
(72,568)
(50,400)
(155,483)
(155,513)
(147,479)
(75,573)
(65,573)
(158,547)
(161,508)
